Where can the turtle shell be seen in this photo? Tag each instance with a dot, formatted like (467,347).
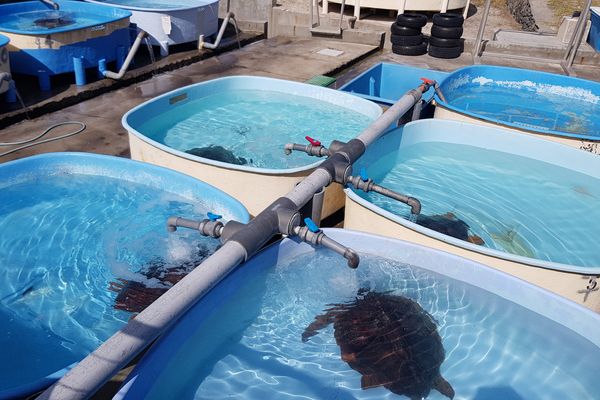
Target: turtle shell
(390,340)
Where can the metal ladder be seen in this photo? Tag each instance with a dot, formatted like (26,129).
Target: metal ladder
(319,30)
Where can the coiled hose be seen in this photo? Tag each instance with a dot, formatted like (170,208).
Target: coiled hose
(33,141)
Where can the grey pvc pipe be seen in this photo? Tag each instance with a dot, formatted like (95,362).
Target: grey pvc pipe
(578,35)
(134,48)
(479,39)
(390,117)
(93,371)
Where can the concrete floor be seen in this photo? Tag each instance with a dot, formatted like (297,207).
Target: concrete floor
(293,59)
(285,58)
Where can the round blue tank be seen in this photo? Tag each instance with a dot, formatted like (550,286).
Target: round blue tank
(261,333)
(81,235)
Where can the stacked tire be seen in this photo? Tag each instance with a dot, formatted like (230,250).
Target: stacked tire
(407,38)
(445,40)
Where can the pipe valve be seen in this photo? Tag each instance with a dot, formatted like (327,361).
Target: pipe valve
(314,148)
(311,233)
(210,226)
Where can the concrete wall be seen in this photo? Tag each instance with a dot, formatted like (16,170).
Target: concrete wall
(248,10)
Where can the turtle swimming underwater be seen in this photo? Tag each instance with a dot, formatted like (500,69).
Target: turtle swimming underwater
(134,296)
(218,153)
(450,225)
(390,340)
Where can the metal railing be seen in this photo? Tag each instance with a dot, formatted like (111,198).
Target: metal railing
(566,62)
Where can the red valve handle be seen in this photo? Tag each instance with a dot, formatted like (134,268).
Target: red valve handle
(428,81)
(312,141)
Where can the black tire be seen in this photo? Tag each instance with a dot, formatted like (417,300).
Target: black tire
(448,20)
(417,50)
(445,52)
(446,32)
(443,42)
(407,40)
(416,21)
(404,30)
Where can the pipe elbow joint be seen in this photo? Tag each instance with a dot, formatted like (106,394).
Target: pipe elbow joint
(172,224)
(415,205)
(352,257)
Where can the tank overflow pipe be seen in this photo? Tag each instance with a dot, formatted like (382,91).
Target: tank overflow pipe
(205,45)
(240,243)
(134,48)
(367,185)
(315,236)
(51,3)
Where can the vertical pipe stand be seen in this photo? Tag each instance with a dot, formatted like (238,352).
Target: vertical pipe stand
(44,80)
(79,70)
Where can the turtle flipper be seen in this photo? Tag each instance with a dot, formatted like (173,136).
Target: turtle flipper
(443,386)
(320,322)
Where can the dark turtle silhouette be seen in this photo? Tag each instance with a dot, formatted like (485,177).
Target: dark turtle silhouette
(134,296)
(217,153)
(54,19)
(450,225)
(390,340)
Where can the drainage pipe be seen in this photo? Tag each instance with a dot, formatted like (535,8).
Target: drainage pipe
(134,48)
(240,243)
(230,16)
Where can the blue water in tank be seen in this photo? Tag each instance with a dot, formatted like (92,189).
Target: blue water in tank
(156,4)
(532,100)
(503,338)
(73,226)
(523,196)
(251,117)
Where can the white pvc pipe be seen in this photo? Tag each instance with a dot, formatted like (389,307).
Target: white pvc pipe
(114,354)
(134,48)
(230,16)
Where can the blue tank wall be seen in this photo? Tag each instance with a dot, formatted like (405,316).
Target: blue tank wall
(57,61)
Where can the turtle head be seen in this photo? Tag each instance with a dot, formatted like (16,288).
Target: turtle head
(442,386)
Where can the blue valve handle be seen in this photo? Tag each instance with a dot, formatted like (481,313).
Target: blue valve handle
(310,224)
(363,174)
(214,217)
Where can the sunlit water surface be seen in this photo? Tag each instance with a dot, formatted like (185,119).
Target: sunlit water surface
(64,239)
(249,346)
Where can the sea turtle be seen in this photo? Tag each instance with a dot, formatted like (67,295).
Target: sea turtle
(218,153)
(450,225)
(54,19)
(134,296)
(390,340)
(513,243)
